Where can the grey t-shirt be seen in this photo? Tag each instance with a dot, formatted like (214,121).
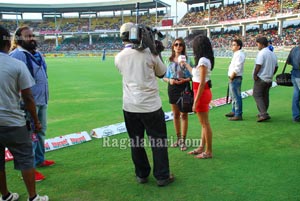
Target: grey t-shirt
(14,77)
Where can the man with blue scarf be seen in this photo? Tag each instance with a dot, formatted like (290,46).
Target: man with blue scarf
(24,48)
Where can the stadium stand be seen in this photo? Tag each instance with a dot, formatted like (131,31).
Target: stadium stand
(61,34)
(236,11)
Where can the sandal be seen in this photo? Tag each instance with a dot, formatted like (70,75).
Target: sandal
(196,151)
(183,147)
(204,155)
(176,144)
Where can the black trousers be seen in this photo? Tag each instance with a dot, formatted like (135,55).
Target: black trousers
(261,91)
(155,126)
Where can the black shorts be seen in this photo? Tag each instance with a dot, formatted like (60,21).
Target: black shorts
(174,92)
(19,143)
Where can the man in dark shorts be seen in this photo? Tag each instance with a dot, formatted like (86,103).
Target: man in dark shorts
(15,78)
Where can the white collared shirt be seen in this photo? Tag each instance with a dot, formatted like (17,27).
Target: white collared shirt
(237,63)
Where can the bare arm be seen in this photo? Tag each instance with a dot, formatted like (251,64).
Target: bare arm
(256,70)
(30,107)
(203,70)
(275,70)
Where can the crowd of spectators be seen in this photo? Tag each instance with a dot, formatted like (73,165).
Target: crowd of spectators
(81,44)
(219,40)
(290,37)
(236,11)
(75,24)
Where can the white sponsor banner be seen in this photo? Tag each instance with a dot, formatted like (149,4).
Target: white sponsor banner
(169,116)
(66,140)
(109,130)
(59,142)
(118,128)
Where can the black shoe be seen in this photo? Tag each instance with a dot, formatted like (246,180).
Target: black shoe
(296,120)
(165,182)
(261,119)
(141,180)
(230,114)
(235,118)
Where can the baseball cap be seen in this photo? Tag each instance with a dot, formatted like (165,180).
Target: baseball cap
(125,29)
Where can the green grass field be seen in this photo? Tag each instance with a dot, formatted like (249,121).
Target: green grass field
(252,161)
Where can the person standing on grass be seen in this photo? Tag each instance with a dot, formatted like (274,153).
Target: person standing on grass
(103,54)
(265,68)
(294,60)
(178,78)
(142,108)
(24,48)
(204,57)
(235,75)
(15,83)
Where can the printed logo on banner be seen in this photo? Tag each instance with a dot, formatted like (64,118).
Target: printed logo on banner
(47,146)
(122,128)
(78,140)
(169,116)
(60,144)
(107,132)
(218,102)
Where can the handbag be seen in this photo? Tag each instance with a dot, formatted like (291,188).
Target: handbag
(186,99)
(284,79)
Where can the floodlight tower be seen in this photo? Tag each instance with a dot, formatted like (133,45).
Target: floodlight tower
(137,7)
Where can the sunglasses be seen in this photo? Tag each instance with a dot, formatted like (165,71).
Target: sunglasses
(178,44)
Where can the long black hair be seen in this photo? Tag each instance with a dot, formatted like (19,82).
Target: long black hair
(202,48)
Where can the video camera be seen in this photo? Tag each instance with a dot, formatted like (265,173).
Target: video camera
(144,37)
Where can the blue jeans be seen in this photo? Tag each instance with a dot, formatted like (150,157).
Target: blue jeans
(235,94)
(296,98)
(40,145)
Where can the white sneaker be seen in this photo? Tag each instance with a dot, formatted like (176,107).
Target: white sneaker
(12,197)
(40,198)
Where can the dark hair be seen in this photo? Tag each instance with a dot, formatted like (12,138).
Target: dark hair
(4,38)
(263,41)
(238,42)
(202,48)
(171,58)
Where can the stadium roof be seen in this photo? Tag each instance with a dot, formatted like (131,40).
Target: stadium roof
(82,7)
(189,2)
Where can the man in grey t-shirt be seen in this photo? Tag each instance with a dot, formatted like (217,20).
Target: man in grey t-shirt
(15,82)
(265,68)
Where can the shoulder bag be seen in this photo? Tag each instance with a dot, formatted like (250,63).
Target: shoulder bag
(186,100)
(284,79)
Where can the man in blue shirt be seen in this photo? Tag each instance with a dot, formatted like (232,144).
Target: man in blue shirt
(294,60)
(24,48)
